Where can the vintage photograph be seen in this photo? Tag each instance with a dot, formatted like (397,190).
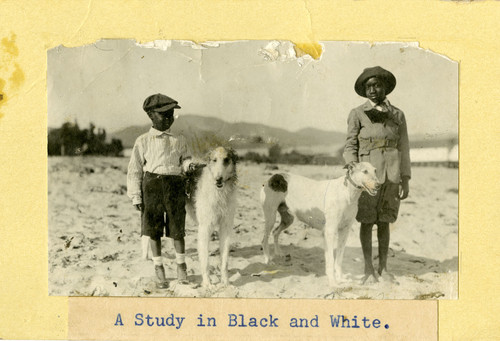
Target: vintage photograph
(252,169)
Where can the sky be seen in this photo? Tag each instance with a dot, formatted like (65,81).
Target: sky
(251,81)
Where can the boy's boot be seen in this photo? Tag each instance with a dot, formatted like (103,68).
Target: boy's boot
(182,273)
(160,273)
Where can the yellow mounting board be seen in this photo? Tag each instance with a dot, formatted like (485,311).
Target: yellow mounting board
(464,31)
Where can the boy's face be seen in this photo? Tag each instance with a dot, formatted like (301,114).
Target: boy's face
(162,120)
(375,90)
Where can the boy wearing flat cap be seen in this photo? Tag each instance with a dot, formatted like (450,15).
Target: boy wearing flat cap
(155,184)
(377,134)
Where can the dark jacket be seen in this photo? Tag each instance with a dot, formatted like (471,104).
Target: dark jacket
(381,141)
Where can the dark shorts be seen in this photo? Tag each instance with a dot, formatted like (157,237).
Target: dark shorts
(382,207)
(164,199)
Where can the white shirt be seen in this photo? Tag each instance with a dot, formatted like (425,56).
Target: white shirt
(379,107)
(157,152)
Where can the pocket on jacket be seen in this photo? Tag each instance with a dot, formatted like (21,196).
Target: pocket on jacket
(364,153)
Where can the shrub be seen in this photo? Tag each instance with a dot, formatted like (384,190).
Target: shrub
(70,140)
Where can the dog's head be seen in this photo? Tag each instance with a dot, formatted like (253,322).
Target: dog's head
(222,165)
(364,175)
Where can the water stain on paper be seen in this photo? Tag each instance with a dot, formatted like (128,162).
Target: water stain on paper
(9,45)
(11,74)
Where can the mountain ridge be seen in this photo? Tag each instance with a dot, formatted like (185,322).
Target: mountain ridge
(239,133)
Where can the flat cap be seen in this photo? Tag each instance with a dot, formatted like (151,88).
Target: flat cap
(385,76)
(159,102)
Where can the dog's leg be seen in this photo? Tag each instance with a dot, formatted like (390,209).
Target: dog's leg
(203,240)
(343,233)
(270,218)
(224,242)
(286,220)
(330,233)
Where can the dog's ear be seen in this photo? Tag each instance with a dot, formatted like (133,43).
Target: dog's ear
(350,165)
(208,156)
(232,155)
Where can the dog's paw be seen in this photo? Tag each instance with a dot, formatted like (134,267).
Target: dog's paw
(268,260)
(207,284)
(224,281)
(342,278)
(332,283)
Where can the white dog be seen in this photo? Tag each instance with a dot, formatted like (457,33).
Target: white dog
(331,204)
(212,203)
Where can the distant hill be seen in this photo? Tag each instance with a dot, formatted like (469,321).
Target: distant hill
(204,132)
(240,134)
(321,137)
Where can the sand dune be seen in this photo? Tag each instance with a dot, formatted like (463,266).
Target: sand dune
(95,248)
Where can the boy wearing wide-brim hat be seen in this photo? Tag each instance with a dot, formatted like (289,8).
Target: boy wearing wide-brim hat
(377,133)
(156,185)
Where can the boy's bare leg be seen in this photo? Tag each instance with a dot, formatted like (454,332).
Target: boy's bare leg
(179,245)
(155,247)
(157,260)
(180,249)
(365,235)
(383,235)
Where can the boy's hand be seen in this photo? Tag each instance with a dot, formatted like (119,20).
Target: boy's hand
(139,207)
(187,165)
(404,188)
(191,165)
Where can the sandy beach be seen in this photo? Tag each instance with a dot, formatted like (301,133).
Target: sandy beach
(95,245)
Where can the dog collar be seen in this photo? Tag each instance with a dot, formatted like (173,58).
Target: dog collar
(348,178)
